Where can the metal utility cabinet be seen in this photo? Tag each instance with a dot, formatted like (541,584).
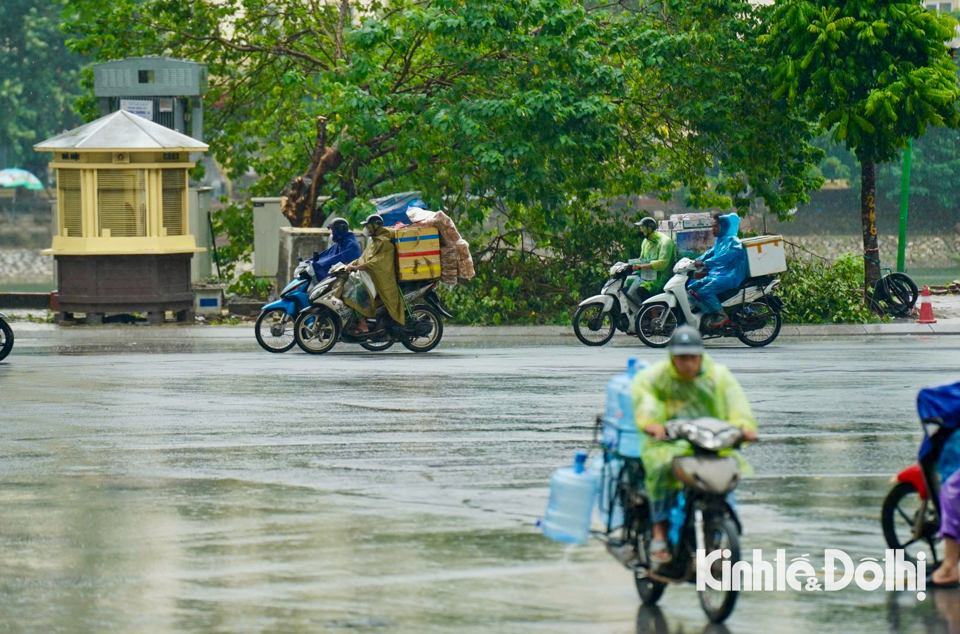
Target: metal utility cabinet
(160,89)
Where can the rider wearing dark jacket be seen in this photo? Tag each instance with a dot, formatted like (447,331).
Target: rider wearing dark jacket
(345,249)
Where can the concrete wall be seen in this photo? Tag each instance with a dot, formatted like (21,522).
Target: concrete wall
(922,251)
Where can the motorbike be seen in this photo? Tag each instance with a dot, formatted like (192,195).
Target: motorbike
(327,320)
(6,337)
(274,327)
(910,517)
(702,517)
(753,309)
(599,317)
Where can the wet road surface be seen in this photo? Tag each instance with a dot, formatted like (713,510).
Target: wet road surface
(182,481)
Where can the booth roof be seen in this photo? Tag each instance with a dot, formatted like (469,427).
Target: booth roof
(121,131)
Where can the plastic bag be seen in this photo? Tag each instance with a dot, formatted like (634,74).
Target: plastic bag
(360,290)
(464,260)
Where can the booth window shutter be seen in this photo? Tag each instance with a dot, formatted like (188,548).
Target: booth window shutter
(174,183)
(122,203)
(71,204)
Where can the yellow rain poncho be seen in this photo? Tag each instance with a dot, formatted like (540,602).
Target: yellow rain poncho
(661,394)
(380,258)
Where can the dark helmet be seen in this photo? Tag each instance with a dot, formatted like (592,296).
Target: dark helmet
(339,224)
(647,222)
(685,340)
(374,219)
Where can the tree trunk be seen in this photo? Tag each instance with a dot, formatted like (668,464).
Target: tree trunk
(868,220)
(300,203)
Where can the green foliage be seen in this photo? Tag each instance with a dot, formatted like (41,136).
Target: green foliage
(874,73)
(480,104)
(515,284)
(247,285)
(39,80)
(814,292)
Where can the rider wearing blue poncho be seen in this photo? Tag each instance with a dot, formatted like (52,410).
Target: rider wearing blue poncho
(727,265)
(345,249)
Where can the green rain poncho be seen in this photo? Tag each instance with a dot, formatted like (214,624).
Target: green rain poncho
(660,251)
(660,394)
(381,261)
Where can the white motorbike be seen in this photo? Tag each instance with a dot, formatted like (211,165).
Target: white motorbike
(753,309)
(599,317)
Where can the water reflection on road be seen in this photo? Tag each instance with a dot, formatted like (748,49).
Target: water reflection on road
(240,491)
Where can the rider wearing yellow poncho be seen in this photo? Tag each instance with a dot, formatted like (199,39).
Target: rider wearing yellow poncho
(688,385)
(379,259)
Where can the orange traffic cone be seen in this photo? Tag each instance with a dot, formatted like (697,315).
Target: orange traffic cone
(926,308)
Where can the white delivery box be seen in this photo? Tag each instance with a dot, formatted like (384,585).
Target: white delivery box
(765,255)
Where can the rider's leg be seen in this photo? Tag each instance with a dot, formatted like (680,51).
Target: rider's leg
(635,289)
(949,572)
(660,484)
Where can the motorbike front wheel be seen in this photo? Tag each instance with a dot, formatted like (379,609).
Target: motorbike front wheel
(317,332)
(592,325)
(426,342)
(720,533)
(649,590)
(649,328)
(6,339)
(901,509)
(274,330)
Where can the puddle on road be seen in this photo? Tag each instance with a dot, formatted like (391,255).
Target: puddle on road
(254,492)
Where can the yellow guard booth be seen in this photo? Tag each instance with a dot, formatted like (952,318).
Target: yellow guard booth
(123,243)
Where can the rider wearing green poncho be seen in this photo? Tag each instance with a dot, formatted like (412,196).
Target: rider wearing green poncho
(659,252)
(379,259)
(688,385)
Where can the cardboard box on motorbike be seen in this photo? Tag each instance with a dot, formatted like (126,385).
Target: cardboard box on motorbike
(418,253)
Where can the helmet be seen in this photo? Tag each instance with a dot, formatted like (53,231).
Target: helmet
(374,219)
(685,340)
(339,224)
(647,222)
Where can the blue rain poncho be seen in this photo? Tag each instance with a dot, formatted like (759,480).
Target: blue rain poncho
(727,262)
(942,403)
(345,250)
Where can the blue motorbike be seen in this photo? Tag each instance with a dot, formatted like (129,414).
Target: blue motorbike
(275,325)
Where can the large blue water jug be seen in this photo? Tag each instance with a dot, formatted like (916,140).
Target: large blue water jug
(608,472)
(573,492)
(620,434)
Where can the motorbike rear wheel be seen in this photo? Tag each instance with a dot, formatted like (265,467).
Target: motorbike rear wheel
(317,332)
(648,328)
(423,343)
(593,326)
(6,339)
(377,346)
(720,533)
(900,509)
(756,313)
(274,330)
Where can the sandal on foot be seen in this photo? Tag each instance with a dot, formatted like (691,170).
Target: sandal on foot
(946,585)
(660,552)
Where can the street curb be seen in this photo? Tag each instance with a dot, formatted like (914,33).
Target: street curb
(946,327)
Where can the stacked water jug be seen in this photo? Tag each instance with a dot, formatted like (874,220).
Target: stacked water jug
(576,490)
